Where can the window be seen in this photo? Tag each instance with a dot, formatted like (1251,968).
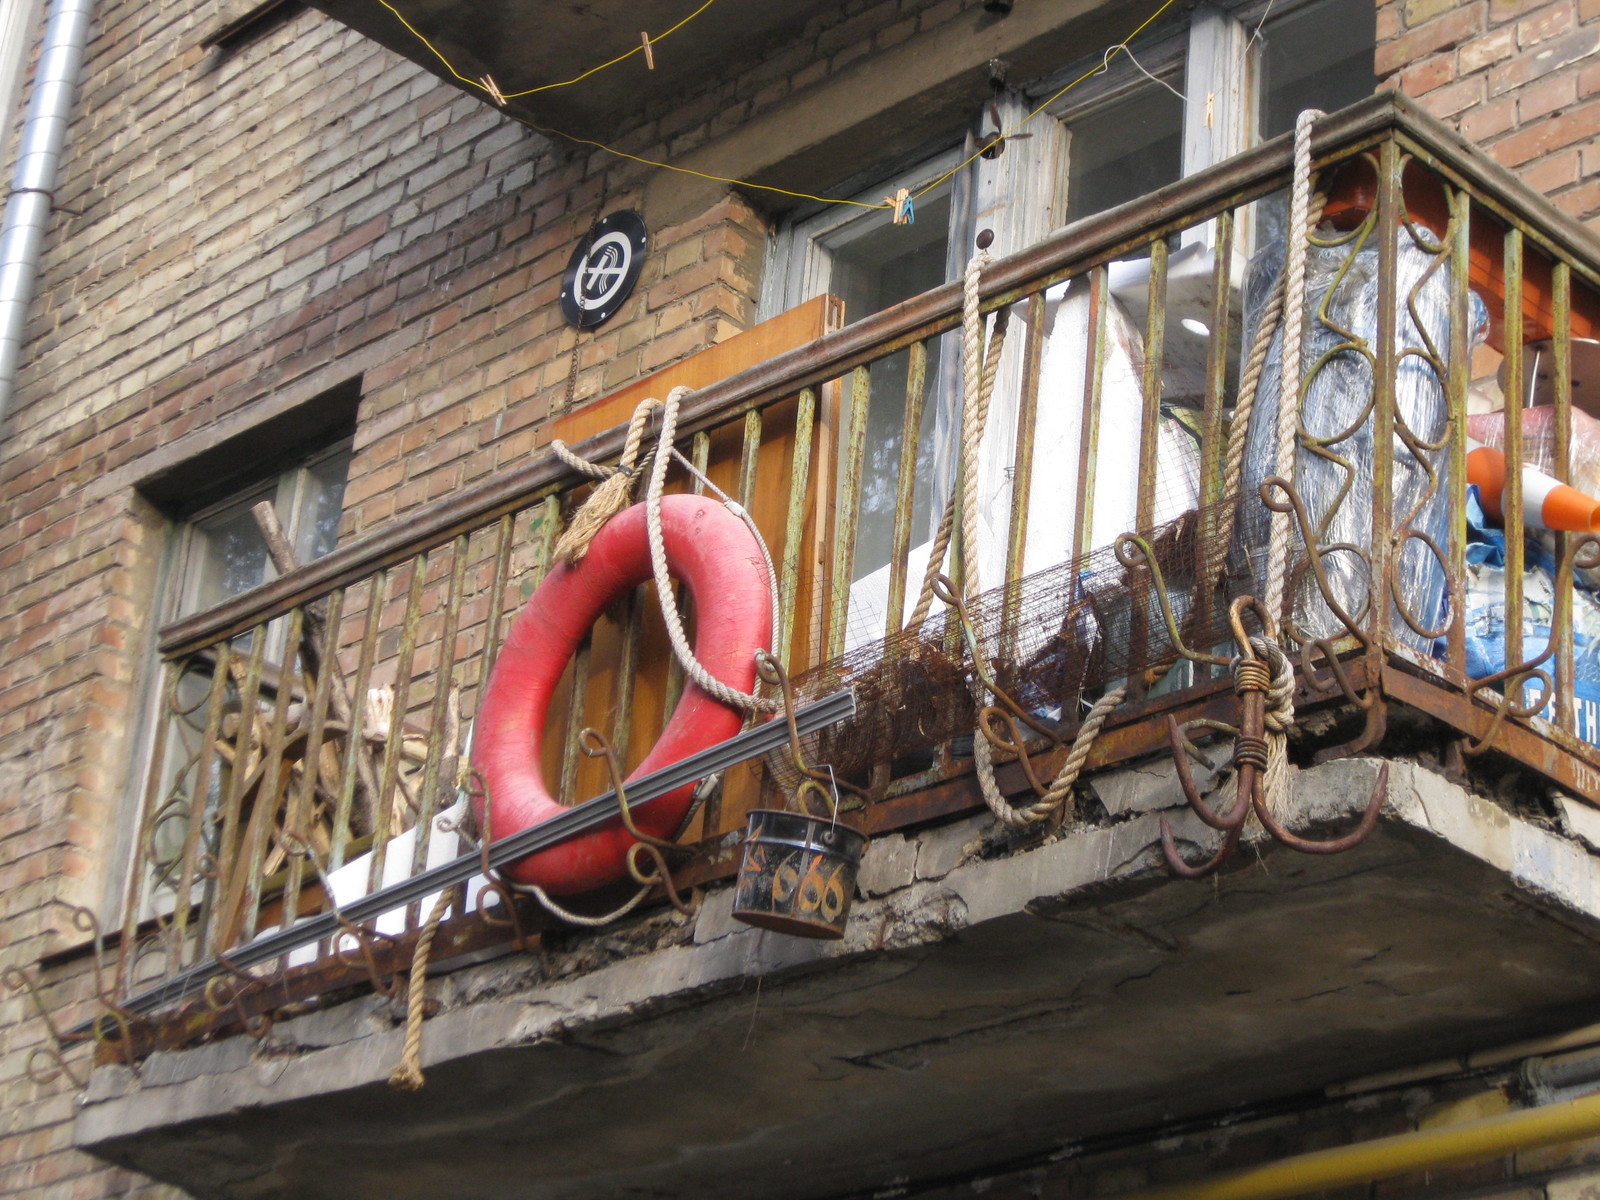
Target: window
(1125,149)
(297,459)
(1204,86)
(870,263)
(221,551)
(1318,55)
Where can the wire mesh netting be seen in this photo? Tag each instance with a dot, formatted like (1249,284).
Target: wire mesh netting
(1053,642)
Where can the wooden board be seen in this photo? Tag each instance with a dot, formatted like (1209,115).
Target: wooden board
(787,331)
(645,687)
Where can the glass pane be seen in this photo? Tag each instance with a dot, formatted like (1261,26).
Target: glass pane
(229,555)
(1132,146)
(1319,56)
(321,503)
(880,475)
(874,264)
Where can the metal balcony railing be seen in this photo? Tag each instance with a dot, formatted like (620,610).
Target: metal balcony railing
(280,788)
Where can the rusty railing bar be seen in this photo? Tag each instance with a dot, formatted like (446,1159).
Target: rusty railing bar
(1069,251)
(760,740)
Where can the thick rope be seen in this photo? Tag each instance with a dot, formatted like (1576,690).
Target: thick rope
(614,493)
(977,386)
(1294,303)
(1060,789)
(973,419)
(1289,301)
(670,616)
(1244,406)
(1265,668)
(407,1074)
(572,918)
(941,538)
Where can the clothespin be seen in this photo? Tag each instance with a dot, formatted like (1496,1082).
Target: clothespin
(905,210)
(495,94)
(649,51)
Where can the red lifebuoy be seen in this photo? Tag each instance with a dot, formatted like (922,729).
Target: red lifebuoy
(718,559)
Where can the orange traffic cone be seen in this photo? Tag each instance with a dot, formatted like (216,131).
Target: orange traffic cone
(1547,504)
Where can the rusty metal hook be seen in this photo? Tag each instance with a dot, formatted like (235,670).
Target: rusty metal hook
(945,592)
(364,943)
(1012,742)
(478,786)
(85,921)
(1231,824)
(1252,679)
(596,745)
(1291,502)
(1369,821)
(662,878)
(771,672)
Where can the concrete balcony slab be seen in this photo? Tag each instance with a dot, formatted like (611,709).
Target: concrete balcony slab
(980,1009)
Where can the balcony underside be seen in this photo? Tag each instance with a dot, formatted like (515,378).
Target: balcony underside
(976,1013)
(523,46)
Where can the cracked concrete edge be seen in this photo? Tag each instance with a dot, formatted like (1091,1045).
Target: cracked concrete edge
(353,1048)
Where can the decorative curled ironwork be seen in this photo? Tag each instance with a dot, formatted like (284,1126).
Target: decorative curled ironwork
(813,780)
(1505,686)
(496,884)
(1259,669)
(257,1023)
(121,1042)
(53,1051)
(596,745)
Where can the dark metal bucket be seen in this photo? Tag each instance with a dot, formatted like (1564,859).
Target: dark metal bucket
(798,874)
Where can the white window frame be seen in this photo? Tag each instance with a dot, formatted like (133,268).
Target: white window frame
(1022,194)
(799,265)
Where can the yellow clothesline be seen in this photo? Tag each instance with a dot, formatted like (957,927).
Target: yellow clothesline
(488,87)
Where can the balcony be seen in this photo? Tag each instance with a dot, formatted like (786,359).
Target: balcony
(274,803)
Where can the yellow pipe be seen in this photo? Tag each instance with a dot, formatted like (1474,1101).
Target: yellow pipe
(1399,1154)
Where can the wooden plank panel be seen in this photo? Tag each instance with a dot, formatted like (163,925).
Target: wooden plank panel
(787,331)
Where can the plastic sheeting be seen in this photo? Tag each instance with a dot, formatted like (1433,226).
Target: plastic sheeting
(1486,622)
(1336,479)
(1058,447)
(1539,451)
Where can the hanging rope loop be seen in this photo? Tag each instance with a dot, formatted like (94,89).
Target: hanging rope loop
(613,495)
(673,620)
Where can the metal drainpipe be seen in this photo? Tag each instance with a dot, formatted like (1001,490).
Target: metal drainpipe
(29,204)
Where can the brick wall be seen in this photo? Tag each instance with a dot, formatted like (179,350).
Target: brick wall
(306,207)
(1519,77)
(261,223)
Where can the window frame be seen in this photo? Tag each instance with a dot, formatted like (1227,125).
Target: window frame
(286,479)
(798,265)
(288,488)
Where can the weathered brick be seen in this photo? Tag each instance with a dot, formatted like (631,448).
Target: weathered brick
(1542,59)
(1446,30)
(1479,52)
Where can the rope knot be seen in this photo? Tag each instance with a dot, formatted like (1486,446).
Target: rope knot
(1280,689)
(613,493)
